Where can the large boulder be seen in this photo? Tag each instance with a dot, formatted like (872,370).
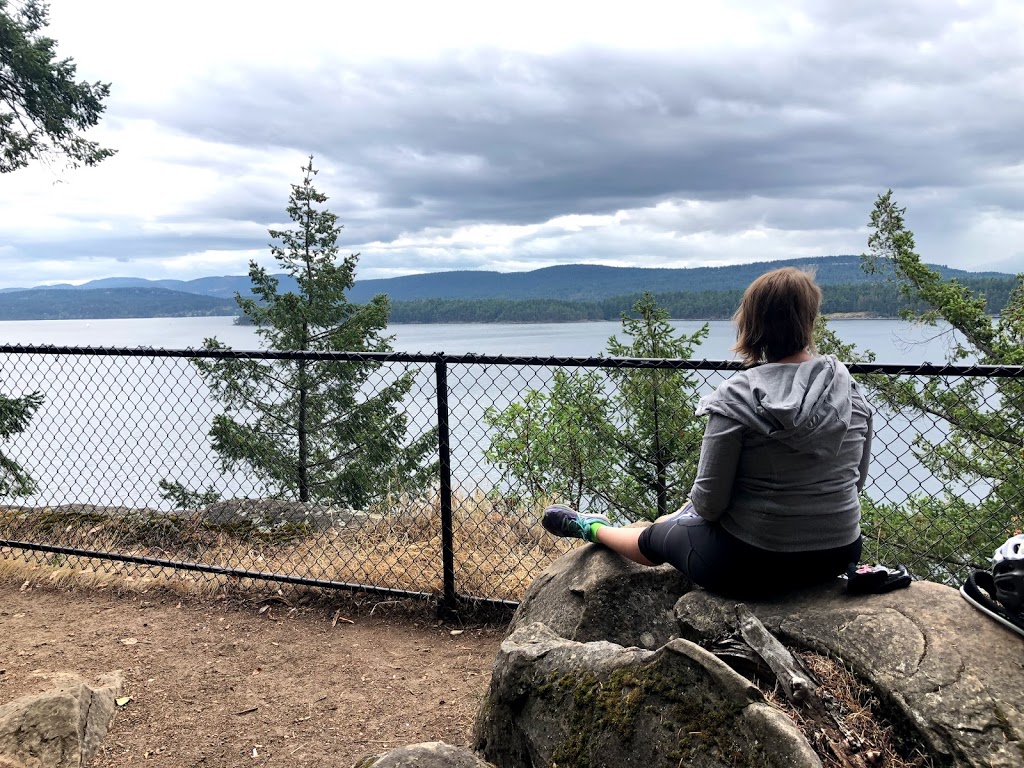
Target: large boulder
(557,702)
(59,728)
(595,634)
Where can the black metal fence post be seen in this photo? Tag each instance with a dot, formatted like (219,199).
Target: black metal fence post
(447,606)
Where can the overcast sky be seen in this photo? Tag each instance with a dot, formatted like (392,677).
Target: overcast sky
(511,136)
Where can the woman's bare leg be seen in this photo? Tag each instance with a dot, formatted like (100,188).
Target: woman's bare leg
(623,541)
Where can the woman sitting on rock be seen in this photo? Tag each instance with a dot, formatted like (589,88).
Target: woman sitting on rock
(785,454)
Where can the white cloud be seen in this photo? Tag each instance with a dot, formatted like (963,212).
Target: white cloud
(210,263)
(677,233)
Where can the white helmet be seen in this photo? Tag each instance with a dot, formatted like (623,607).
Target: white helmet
(1012,549)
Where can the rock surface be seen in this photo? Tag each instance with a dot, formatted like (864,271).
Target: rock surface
(59,728)
(431,754)
(559,702)
(587,594)
(269,515)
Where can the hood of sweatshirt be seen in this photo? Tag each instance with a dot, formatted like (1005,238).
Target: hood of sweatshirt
(807,406)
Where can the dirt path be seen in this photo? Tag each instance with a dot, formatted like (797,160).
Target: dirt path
(219,683)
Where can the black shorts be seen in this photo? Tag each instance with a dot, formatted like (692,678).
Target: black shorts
(715,559)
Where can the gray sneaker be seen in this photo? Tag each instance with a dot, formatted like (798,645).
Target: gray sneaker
(564,521)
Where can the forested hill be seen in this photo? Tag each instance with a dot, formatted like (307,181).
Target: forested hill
(49,304)
(589,282)
(552,294)
(858,299)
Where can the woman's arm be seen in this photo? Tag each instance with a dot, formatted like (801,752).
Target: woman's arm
(719,456)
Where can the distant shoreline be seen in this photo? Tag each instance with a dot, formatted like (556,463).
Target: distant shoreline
(857,316)
(827,316)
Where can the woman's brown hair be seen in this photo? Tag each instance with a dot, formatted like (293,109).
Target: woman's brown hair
(776,316)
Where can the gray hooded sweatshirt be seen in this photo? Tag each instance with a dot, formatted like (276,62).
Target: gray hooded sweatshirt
(785,456)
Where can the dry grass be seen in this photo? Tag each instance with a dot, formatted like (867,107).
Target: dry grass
(857,710)
(498,549)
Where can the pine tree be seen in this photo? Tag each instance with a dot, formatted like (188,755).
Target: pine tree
(657,430)
(307,428)
(15,415)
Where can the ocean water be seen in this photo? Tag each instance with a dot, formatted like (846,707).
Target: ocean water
(894,341)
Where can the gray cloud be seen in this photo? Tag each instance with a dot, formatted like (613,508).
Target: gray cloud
(140,247)
(796,134)
(517,138)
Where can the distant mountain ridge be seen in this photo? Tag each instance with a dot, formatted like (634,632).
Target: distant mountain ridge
(568,282)
(552,294)
(102,303)
(223,287)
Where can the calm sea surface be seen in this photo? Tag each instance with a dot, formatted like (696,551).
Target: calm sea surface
(111,428)
(894,341)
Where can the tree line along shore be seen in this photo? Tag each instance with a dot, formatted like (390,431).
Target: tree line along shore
(875,299)
(863,300)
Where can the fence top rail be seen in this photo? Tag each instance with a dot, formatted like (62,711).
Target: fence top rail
(923,369)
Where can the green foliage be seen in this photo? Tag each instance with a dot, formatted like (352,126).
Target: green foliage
(15,415)
(656,429)
(184,498)
(43,110)
(828,343)
(939,539)
(983,418)
(624,440)
(874,299)
(307,428)
(550,441)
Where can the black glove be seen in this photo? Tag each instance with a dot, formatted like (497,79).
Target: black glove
(866,579)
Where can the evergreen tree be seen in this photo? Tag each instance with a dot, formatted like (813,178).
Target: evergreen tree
(943,536)
(15,415)
(625,440)
(656,429)
(43,110)
(316,430)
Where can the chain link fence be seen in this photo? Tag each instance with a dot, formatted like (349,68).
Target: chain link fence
(127,476)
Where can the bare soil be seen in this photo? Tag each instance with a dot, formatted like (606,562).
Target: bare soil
(272,680)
